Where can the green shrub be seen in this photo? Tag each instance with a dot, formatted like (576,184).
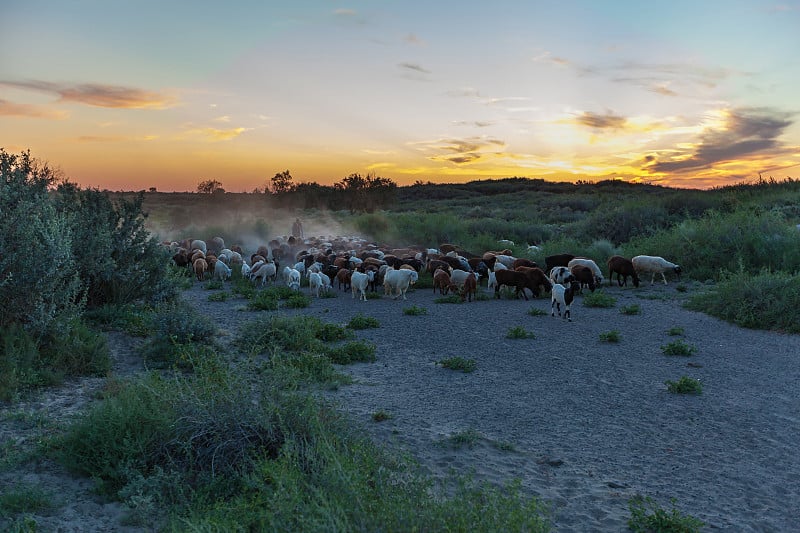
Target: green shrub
(135,320)
(633,309)
(468,438)
(685,385)
(297,301)
(263,301)
(415,311)
(535,311)
(767,300)
(218,296)
(519,332)
(327,332)
(24,498)
(78,352)
(610,336)
(647,516)
(675,330)
(213,285)
(458,363)
(449,299)
(678,347)
(352,352)
(599,299)
(381,416)
(360,321)
(270,333)
(179,333)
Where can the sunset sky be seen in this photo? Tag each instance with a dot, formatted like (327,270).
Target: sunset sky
(128,95)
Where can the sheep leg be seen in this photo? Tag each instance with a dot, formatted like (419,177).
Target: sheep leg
(664,278)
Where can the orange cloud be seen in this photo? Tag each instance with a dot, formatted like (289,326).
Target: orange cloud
(10,109)
(214,134)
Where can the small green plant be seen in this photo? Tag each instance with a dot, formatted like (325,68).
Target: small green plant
(675,330)
(213,284)
(449,299)
(24,498)
(518,332)
(352,352)
(218,296)
(373,296)
(535,311)
(678,347)
(468,438)
(633,309)
(647,516)
(415,311)
(363,322)
(381,416)
(680,287)
(297,301)
(685,385)
(599,299)
(263,301)
(458,363)
(610,336)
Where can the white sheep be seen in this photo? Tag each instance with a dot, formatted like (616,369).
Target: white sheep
(245,270)
(263,271)
(359,282)
(222,271)
(398,281)
(458,277)
(492,280)
(314,283)
(561,295)
(654,264)
(598,274)
(294,280)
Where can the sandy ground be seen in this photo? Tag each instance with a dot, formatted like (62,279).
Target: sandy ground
(583,424)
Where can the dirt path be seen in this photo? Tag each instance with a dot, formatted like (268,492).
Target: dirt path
(582,423)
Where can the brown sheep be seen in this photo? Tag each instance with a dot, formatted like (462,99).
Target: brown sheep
(523,262)
(623,268)
(200,267)
(446,248)
(343,278)
(436,264)
(512,278)
(536,279)
(584,276)
(442,281)
(470,287)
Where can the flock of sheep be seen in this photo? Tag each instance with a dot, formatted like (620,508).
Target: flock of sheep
(360,266)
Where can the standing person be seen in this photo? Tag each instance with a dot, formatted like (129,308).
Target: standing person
(297,229)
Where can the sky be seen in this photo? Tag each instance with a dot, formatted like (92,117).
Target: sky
(129,95)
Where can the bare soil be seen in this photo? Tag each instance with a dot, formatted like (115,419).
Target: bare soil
(583,424)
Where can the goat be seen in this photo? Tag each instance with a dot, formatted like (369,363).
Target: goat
(598,274)
(562,295)
(557,260)
(470,287)
(584,276)
(512,278)
(398,281)
(359,282)
(536,278)
(200,267)
(560,274)
(442,281)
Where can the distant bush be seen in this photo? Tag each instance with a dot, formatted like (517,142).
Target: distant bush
(647,516)
(685,385)
(678,347)
(746,240)
(599,299)
(361,321)
(767,300)
(610,336)
(458,363)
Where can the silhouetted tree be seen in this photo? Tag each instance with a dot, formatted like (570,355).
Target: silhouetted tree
(282,183)
(210,186)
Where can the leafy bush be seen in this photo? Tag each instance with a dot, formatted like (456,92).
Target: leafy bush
(360,321)
(633,309)
(415,311)
(535,311)
(178,332)
(647,516)
(610,336)
(685,385)
(218,296)
(449,299)
(599,299)
(675,330)
(678,347)
(767,300)
(381,416)
(352,352)
(133,319)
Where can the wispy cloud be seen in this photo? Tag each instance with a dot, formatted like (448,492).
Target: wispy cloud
(10,109)
(414,67)
(744,134)
(214,134)
(413,38)
(113,138)
(98,95)
(461,151)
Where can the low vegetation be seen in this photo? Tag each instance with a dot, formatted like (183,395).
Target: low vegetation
(599,298)
(458,363)
(685,385)
(519,332)
(361,321)
(610,336)
(415,310)
(633,309)
(678,347)
(648,516)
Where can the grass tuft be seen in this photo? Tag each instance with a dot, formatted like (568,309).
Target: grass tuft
(363,322)
(678,347)
(415,311)
(610,336)
(458,363)
(633,309)
(519,332)
(685,385)
(599,299)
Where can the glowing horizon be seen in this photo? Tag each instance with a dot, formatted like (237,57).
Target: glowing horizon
(121,99)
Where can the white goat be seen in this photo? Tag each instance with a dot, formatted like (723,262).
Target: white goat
(560,274)
(654,264)
(294,280)
(263,271)
(359,282)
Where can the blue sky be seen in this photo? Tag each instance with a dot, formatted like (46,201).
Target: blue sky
(129,95)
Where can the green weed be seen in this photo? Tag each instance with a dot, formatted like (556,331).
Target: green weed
(458,363)
(647,516)
(685,385)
